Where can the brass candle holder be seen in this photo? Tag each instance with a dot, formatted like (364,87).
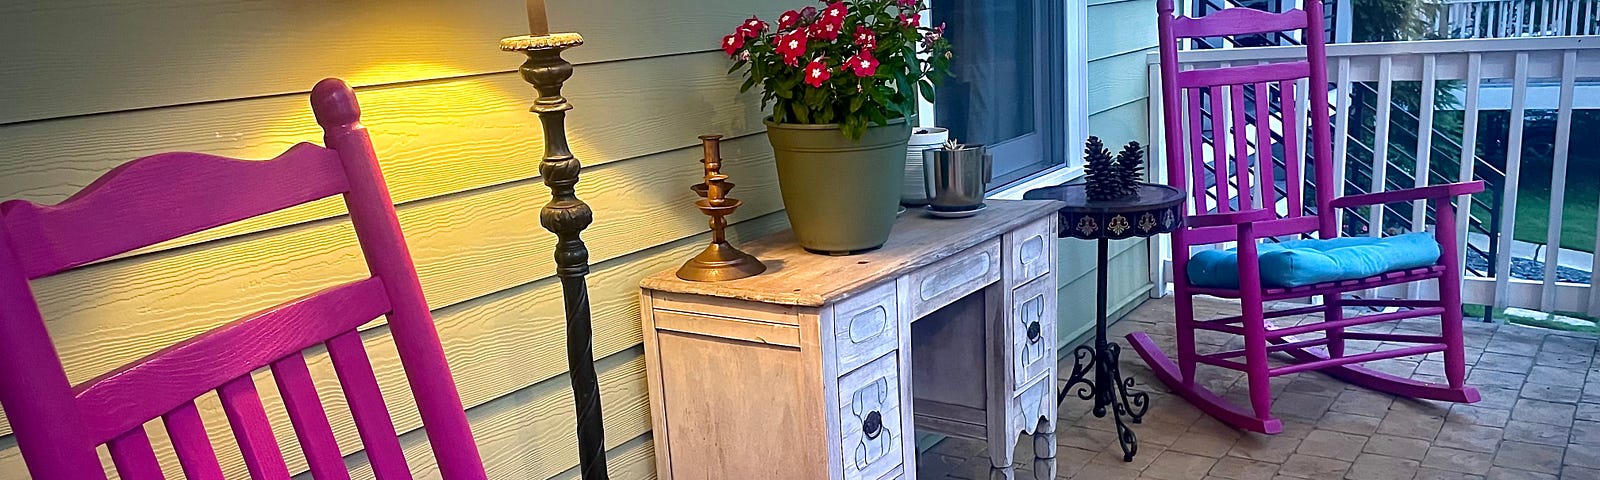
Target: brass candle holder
(720,260)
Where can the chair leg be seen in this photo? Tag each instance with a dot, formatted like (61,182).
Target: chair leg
(1334,311)
(1184,307)
(1455,357)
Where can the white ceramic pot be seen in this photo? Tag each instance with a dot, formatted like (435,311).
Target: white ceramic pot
(914,193)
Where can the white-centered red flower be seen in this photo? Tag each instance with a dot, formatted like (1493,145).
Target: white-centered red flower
(863,64)
(792,46)
(907,3)
(816,73)
(732,43)
(910,20)
(788,19)
(825,31)
(835,13)
(753,27)
(865,38)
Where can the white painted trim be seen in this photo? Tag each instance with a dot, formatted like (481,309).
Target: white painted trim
(1056,175)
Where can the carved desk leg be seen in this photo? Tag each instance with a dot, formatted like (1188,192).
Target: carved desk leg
(1044,450)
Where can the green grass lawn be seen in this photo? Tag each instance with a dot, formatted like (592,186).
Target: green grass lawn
(1582,203)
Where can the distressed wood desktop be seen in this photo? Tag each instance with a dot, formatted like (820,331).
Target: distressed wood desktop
(824,367)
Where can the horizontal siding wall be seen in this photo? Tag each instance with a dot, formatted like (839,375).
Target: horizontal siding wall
(449,119)
(1120,33)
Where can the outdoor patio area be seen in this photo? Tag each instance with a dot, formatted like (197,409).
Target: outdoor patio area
(1539,418)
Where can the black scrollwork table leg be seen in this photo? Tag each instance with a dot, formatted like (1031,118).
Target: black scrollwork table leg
(1107,388)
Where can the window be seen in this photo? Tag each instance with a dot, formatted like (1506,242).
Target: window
(1010,81)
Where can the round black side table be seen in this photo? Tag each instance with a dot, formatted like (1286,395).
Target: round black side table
(1155,210)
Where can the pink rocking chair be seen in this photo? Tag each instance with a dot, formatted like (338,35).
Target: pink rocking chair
(58,426)
(1246,224)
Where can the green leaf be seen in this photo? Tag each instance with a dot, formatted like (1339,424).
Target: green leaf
(736,66)
(927,90)
(749,82)
(856,102)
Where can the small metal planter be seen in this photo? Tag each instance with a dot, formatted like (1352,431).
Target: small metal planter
(957,179)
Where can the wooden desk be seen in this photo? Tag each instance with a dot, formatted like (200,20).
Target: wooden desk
(823,367)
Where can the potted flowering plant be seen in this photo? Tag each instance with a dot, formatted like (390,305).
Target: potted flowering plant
(842,81)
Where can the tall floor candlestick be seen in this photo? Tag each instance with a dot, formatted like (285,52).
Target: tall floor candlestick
(566,216)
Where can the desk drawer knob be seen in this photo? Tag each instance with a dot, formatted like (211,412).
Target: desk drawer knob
(873,425)
(1034,329)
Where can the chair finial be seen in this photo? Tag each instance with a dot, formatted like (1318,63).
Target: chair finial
(334,104)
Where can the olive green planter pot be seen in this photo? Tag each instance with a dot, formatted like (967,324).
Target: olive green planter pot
(841,195)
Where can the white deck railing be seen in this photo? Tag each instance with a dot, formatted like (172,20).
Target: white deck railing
(1516,18)
(1473,66)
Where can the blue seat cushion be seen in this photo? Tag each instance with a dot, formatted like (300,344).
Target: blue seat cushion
(1304,262)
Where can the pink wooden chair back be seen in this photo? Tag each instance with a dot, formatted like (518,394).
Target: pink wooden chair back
(1234,174)
(58,426)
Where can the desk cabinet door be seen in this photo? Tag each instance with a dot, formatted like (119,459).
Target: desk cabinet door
(870,427)
(1033,325)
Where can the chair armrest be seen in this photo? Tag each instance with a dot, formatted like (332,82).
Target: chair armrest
(1230,218)
(1420,193)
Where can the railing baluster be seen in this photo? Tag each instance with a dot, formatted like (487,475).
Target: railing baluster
(1508,203)
(1419,208)
(1558,181)
(1380,141)
(1469,148)
(1341,138)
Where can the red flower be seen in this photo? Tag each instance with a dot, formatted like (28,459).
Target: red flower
(792,46)
(835,13)
(863,64)
(817,73)
(910,20)
(732,43)
(753,27)
(908,3)
(825,31)
(865,38)
(788,19)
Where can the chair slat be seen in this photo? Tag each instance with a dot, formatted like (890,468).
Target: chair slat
(134,458)
(1264,154)
(1241,146)
(132,206)
(132,395)
(189,440)
(309,419)
(1238,21)
(252,429)
(366,405)
(1197,159)
(1269,72)
(1219,147)
(1292,158)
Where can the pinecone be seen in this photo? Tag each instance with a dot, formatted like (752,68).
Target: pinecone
(1130,168)
(1100,171)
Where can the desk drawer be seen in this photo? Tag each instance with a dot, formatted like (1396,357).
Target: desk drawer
(947,280)
(1033,329)
(871,433)
(866,326)
(1028,252)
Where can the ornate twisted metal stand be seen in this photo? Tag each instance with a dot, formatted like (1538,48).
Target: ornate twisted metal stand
(1157,209)
(566,216)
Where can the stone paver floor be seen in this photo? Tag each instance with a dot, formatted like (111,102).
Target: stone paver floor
(1539,417)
